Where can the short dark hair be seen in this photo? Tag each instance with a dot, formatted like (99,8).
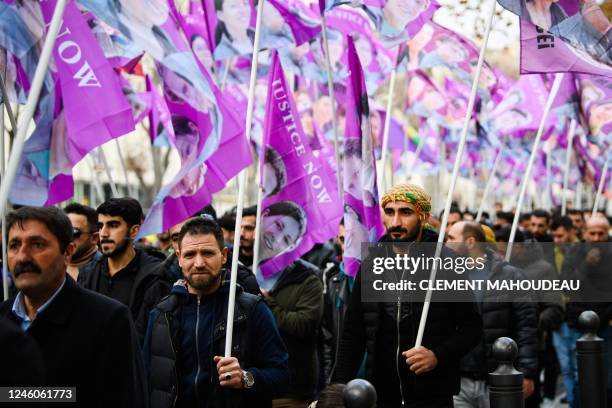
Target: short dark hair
(504,215)
(525,217)
(473,229)
(228,221)
(202,226)
(453,210)
(87,212)
(576,212)
(56,221)
(126,207)
(562,222)
(503,235)
(332,396)
(249,211)
(539,213)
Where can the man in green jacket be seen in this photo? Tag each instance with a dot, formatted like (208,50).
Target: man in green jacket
(296,301)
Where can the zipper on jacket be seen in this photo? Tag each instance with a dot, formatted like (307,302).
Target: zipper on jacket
(175,357)
(398,354)
(197,329)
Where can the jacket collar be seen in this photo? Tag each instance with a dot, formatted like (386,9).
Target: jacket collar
(60,310)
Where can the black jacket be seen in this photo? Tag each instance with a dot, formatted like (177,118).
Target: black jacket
(517,320)
(576,267)
(89,278)
(452,330)
(296,301)
(21,358)
(167,273)
(88,341)
(256,344)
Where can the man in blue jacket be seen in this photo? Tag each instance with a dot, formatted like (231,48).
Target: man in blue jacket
(185,338)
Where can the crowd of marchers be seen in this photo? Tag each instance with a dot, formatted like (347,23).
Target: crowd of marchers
(130,323)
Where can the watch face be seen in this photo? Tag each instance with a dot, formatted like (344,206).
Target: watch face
(248,379)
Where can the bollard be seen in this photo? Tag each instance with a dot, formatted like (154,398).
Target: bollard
(505,383)
(592,375)
(359,393)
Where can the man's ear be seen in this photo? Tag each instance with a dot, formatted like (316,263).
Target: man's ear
(471,242)
(134,229)
(69,251)
(224,252)
(95,238)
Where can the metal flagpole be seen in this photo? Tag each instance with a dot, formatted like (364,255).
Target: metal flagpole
(534,151)
(113,186)
(5,279)
(330,86)
(568,157)
(123,168)
(449,197)
(95,180)
(30,107)
(485,193)
(549,195)
(241,185)
(602,181)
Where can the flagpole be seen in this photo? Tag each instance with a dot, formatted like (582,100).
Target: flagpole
(256,242)
(95,180)
(241,185)
(602,181)
(568,157)
(485,193)
(549,197)
(30,107)
(534,151)
(385,142)
(5,280)
(449,197)
(9,109)
(330,86)
(226,68)
(123,168)
(113,186)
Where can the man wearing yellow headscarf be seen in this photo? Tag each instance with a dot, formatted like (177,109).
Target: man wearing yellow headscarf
(404,375)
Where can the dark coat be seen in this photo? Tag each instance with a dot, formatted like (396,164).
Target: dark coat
(89,278)
(256,344)
(88,341)
(296,301)
(21,358)
(453,329)
(517,320)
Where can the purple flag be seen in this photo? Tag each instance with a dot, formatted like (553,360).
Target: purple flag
(160,123)
(426,99)
(436,46)
(283,23)
(301,206)
(543,52)
(362,216)
(596,106)
(583,25)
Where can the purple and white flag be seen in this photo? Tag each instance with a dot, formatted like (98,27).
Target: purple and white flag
(301,205)
(362,216)
(580,24)
(160,119)
(542,52)
(596,106)
(283,23)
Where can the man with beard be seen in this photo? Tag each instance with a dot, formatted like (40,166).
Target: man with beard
(404,375)
(185,338)
(84,222)
(247,236)
(538,226)
(124,273)
(516,319)
(87,341)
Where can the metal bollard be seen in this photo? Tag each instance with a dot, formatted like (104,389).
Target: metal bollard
(592,375)
(359,393)
(505,383)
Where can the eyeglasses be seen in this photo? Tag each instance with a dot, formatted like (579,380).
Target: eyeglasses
(76,233)
(175,237)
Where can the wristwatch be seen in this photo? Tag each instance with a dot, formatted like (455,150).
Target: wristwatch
(247,379)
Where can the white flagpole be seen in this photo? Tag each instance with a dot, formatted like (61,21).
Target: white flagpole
(95,180)
(30,107)
(602,181)
(9,110)
(258,219)
(5,280)
(113,186)
(123,168)
(241,185)
(568,157)
(330,86)
(385,142)
(226,68)
(549,195)
(534,152)
(449,197)
(485,193)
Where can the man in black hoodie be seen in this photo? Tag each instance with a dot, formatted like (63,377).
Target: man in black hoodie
(124,273)
(404,375)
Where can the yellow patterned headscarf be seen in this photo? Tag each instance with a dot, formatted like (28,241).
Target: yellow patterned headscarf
(410,193)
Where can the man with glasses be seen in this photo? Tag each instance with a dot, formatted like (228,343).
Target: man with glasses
(85,235)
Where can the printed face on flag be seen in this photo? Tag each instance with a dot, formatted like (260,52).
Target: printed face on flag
(202,52)
(283,226)
(275,173)
(359,170)
(233,27)
(355,233)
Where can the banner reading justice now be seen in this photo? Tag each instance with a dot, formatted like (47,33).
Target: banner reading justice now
(401,271)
